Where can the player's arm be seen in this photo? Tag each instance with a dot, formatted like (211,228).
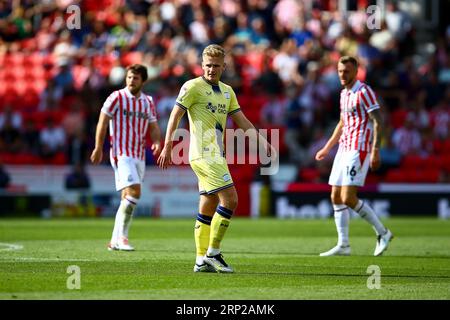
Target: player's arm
(155,135)
(375,116)
(100,134)
(334,139)
(165,158)
(242,122)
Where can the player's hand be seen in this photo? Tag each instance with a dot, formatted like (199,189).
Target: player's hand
(375,161)
(156,148)
(97,156)
(165,158)
(321,154)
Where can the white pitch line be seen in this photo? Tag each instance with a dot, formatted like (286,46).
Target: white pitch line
(10,246)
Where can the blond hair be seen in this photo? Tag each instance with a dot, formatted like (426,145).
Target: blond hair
(214,50)
(349,59)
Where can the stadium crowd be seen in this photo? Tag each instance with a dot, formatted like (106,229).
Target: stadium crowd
(282,64)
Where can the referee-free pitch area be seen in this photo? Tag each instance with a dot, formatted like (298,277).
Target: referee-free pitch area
(273,260)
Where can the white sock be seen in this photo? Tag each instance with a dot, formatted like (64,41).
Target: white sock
(131,203)
(118,223)
(369,215)
(123,218)
(212,252)
(199,260)
(341,219)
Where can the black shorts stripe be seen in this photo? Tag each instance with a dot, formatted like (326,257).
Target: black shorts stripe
(181,106)
(219,189)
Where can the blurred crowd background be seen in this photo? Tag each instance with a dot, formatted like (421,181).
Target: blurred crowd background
(281,62)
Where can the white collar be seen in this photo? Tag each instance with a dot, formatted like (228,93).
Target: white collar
(130,95)
(356,86)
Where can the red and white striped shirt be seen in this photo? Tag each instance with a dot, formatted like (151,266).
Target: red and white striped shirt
(130,119)
(355,105)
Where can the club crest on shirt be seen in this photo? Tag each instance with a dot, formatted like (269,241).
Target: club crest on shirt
(227,95)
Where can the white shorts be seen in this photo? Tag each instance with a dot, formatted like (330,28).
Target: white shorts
(128,171)
(349,168)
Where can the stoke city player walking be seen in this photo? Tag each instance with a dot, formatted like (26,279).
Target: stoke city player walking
(129,113)
(359,135)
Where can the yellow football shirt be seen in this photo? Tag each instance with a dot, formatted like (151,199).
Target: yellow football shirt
(208,106)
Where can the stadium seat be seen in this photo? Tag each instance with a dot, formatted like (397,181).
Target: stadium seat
(6,158)
(10,95)
(372,178)
(29,101)
(309,175)
(13,59)
(396,176)
(446,162)
(412,161)
(25,158)
(423,176)
(34,72)
(446,147)
(38,85)
(34,60)
(398,118)
(14,73)
(49,60)
(131,58)
(438,146)
(40,118)
(256,60)
(59,159)
(104,63)
(433,161)
(244,101)
(28,45)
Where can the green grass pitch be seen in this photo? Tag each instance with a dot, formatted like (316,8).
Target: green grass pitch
(273,260)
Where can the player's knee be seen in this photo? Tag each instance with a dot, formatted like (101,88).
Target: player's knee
(134,192)
(350,201)
(228,198)
(208,204)
(336,198)
(230,203)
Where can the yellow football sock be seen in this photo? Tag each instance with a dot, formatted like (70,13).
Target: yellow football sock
(219,225)
(201,234)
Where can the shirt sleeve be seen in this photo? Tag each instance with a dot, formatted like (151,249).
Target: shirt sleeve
(152,114)
(186,97)
(111,104)
(368,99)
(234,104)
